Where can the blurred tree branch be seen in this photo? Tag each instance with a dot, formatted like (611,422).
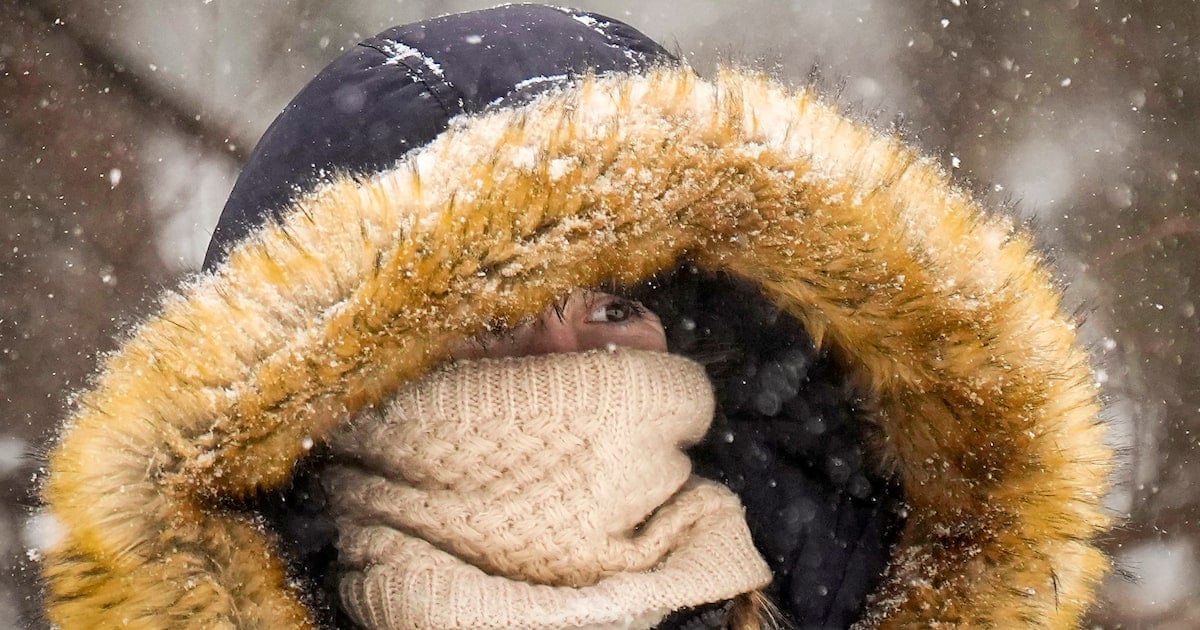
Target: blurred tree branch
(1168,227)
(215,135)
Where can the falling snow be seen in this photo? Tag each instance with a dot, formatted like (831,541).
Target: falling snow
(1078,115)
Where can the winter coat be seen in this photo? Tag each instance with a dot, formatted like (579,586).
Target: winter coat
(904,408)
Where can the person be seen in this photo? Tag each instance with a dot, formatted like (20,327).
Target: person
(902,429)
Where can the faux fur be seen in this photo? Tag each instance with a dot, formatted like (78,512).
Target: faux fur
(943,313)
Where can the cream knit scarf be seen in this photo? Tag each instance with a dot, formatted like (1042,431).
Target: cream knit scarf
(537,492)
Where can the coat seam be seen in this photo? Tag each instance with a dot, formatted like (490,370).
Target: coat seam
(421,68)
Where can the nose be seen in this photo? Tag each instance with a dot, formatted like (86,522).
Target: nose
(555,334)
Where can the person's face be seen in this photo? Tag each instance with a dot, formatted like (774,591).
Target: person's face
(586,320)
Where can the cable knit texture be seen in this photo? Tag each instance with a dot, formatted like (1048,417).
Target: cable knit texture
(547,492)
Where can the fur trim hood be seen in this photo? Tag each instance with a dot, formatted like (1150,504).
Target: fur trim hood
(940,314)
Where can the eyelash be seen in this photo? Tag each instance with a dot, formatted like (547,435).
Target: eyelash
(636,308)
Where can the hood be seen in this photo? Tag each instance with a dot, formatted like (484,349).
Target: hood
(355,279)
(398,90)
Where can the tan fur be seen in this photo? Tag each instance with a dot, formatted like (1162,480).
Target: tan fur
(944,313)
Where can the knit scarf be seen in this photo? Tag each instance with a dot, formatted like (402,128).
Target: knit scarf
(537,492)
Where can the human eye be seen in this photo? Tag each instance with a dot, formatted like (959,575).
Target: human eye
(615,310)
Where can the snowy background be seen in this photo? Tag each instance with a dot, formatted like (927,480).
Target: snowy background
(122,124)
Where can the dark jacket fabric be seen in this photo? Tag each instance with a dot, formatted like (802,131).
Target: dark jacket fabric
(398,90)
(902,405)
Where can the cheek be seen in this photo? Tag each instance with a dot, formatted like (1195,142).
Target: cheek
(652,337)
(551,337)
(642,335)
